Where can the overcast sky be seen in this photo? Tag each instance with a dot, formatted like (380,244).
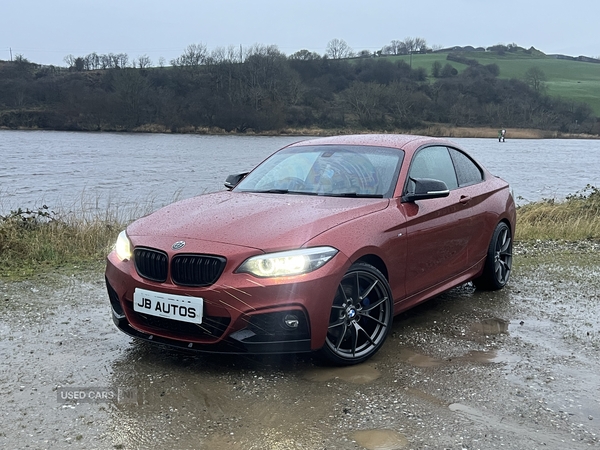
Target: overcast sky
(45,31)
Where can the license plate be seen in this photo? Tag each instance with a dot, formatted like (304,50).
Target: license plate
(169,306)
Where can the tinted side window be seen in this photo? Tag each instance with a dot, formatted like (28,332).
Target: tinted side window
(433,162)
(467,171)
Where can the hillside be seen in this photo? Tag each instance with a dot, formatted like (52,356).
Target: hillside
(266,91)
(567,77)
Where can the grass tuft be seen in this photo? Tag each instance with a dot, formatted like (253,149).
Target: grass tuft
(31,240)
(576,218)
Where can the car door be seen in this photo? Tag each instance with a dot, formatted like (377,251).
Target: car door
(473,195)
(438,230)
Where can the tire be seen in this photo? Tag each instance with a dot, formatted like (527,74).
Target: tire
(498,263)
(361,316)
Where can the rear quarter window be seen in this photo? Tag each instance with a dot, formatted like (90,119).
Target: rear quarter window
(467,171)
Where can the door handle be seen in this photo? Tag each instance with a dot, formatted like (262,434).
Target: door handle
(464,199)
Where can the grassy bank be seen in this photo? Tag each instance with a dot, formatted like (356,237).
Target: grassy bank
(38,240)
(575,218)
(34,241)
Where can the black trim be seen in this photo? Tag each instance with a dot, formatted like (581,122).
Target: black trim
(227,346)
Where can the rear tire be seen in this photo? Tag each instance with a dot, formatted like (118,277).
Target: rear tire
(498,263)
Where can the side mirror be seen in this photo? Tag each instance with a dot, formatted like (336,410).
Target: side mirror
(233,180)
(425,188)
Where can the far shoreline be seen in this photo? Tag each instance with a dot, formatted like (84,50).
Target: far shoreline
(434,130)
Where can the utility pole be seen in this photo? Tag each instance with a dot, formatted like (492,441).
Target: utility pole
(10,48)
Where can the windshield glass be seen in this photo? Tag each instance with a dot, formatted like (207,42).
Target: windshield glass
(351,171)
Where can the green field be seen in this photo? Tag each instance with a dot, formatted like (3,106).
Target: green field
(571,80)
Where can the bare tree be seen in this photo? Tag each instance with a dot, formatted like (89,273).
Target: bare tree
(535,78)
(338,49)
(409,44)
(395,48)
(305,55)
(144,62)
(413,45)
(70,61)
(122,60)
(193,56)
(420,45)
(366,101)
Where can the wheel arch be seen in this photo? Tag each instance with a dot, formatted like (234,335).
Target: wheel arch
(376,262)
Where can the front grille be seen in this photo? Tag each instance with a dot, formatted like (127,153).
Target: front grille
(151,264)
(186,270)
(196,270)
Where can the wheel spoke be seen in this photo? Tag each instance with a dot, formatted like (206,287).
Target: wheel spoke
(357,330)
(339,322)
(504,249)
(374,319)
(502,270)
(341,337)
(345,297)
(368,291)
(356,287)
(354,335)
(375,305)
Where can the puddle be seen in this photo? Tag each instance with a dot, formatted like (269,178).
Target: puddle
(380,439)
(418,360)
(488,357)
(529,438)
(359,374)
(490,327)
(474,356)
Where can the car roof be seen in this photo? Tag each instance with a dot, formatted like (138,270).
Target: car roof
(399,141)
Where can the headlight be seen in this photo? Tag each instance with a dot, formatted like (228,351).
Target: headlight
(285,264)
(123,247)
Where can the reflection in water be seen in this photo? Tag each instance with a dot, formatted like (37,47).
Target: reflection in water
(380,439)
(233,402)
(359,374)
(474,356)
(490,327)
(418,360)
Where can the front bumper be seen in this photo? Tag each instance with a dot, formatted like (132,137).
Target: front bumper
(264,334)
(241,315)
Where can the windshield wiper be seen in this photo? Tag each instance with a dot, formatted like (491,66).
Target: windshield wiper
(354,195)
(272,191)
(283,191)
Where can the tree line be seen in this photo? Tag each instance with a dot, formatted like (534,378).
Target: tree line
(259,88)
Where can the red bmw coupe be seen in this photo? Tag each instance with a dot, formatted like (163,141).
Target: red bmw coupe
(316,249)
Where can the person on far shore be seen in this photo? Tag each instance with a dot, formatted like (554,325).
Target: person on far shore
(502,135)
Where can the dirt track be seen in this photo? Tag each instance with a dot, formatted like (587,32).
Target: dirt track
(515,369)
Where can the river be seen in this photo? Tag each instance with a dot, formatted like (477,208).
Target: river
(134,173)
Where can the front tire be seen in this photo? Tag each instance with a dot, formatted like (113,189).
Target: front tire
(498,263)
(361,316)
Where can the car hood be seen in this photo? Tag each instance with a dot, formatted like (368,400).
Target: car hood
(267,222)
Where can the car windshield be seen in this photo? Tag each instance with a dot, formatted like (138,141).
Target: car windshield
(347,171)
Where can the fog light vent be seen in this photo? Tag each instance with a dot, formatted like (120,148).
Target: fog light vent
(291,321)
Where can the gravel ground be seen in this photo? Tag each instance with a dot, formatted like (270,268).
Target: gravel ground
(514,369)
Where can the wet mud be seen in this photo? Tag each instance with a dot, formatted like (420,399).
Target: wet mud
(514,369)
